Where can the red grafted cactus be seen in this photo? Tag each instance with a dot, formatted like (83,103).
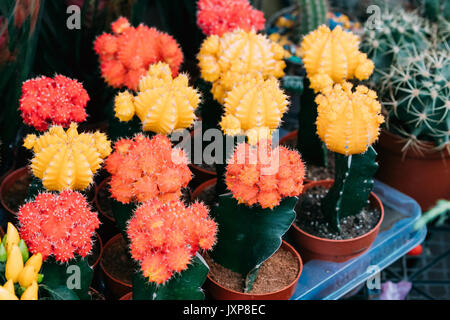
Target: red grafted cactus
(142,169)
(262,175)
(126,55)
(221,16)
(164,236)
(58,101)
(58,224)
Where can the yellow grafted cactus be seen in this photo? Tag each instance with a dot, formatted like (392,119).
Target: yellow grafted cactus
(67,159)
(348,122)
(225,60)
(163,104)
(254,108)
(332,57)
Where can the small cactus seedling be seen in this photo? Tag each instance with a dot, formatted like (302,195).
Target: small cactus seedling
(58,101)
(237,56)
(163,104)
(67,159)
(222,16)
(126,55)
(264,183)
(164,238)
(348,123)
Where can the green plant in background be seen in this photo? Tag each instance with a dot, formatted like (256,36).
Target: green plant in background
(311,14)
(436,9)
(19,29)
(441,212)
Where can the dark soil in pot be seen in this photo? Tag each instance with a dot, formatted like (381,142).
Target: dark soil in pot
(16,195)
(117,262)
(276,273)
(311,220)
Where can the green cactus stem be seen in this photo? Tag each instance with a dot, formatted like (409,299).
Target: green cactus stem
(312,13)
(352,186)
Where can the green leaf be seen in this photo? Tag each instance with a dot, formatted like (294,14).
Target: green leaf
(183,286)
(353,184)
(61,293)
(248,236)
(65,275)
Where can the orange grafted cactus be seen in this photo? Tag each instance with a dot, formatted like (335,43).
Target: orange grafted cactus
(164,236)
(262,175)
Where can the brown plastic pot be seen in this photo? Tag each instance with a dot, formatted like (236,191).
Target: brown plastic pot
(108,228)
(7,182)
(197,191)
(219,292)
(425,177)
(316,248)
(289,139)
(128,296)
(116,287)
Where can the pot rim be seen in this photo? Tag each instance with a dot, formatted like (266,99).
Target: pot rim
(196,192)
(100,254)
(100,186)
(108,243)
(300,270)
(5,179)
(367,234)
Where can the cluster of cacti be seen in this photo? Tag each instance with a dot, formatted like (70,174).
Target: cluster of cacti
(237,56)
(311,14)
(58,101)
(66,159)
(163,104)
(332,57)
(126,55)
(348,122)
(61,225)
(255,104)
(19,268)
(262,175)
(164,236)
(143,169)
(222,16)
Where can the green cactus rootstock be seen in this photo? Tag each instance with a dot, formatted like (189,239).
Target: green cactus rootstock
(436,9)
(351,189)
(186,285)
(312,13)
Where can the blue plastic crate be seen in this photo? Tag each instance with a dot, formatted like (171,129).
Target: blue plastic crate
(332,280)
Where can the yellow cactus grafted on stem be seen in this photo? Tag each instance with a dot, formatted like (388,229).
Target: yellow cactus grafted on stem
(67,159)
(163,103)
(237,56)
(254,108)
(348,122)
(332,57)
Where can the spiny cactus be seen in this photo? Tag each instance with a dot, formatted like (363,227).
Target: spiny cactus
(67,159)
(163,104)
(436,9)
(417,97)
(260,175)
(226,60)
(332,57)
(254,104)
(221,16)
(126,55)
(61,225)
(312,14)
(348,122)
(57,101)
(164,237)
(144,168)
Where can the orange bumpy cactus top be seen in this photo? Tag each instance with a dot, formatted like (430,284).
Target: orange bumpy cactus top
(126,55)
(262,175)
(142,169)
(165,235)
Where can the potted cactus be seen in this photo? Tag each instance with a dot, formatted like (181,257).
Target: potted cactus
(264,183)
(413,84)
(341,218)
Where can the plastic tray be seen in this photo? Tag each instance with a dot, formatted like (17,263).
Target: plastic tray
(322,280)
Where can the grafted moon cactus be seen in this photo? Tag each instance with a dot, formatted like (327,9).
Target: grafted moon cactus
(332,57)
(67,159)
(224,60)
(348,122)
(254,104)
(163,104)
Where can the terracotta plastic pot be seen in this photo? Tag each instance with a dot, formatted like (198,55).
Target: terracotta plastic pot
(92,290)
(94,266)
(219,292)
(289,139)
(108,227)
(425,177)
(316,248)
(2,233)
(9,181)
(197,191)
(128,296)
(116,287)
